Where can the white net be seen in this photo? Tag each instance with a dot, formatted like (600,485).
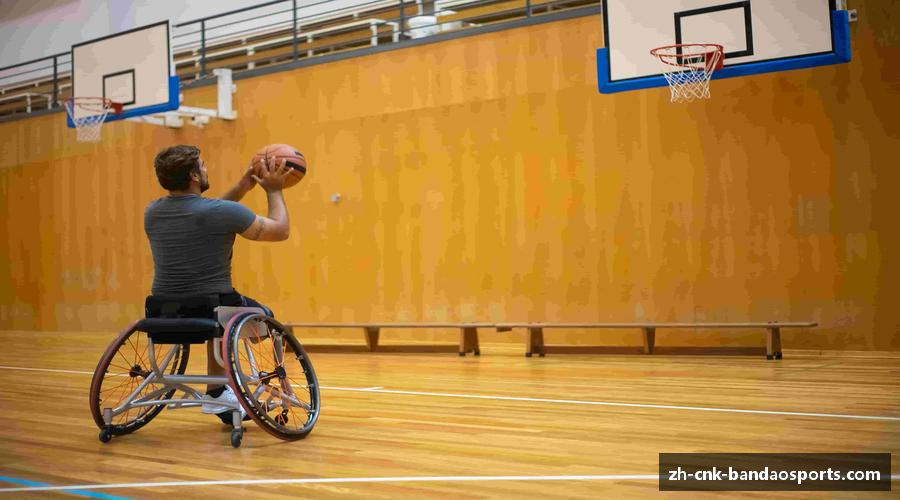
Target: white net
(689,68)
(88,115)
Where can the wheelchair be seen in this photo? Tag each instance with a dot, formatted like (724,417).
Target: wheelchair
(142,371)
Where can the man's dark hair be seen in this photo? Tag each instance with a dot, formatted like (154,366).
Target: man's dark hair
(174,166)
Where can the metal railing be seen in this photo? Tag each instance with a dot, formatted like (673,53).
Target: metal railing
(280,32)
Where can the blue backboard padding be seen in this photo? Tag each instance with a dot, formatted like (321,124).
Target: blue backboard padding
(840,39)
(173,104)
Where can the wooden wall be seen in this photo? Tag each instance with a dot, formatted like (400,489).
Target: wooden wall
(486,179)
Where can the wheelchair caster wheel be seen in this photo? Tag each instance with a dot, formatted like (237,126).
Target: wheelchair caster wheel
(778,355)
(477,352)
(105,435)
(236,437)
(770,357)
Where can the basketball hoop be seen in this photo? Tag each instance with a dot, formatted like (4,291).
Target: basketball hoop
(689,67)
(92,113)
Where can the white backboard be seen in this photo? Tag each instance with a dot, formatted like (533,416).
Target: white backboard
(133,68)
(790,34)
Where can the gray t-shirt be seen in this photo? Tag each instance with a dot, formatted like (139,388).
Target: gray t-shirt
(191,238)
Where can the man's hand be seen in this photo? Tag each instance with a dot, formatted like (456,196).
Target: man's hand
(272,175)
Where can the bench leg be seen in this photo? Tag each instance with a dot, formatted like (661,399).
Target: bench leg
(776,343)
(468,341)
(372,338)
(535,343)
(773,344)
(649,340)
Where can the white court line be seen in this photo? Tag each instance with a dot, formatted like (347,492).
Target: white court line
(77,372)
(561,401)
(324,480)
(626,405)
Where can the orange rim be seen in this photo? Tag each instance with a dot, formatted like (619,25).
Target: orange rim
(707,50)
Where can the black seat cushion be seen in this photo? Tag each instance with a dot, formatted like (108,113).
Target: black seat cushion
(186,325)
(181,320)
(179,330)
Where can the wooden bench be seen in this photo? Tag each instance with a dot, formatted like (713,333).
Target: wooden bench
(363,32)
(468,337)
(479,12)
(25,97)
(25,102)
(305,23)
(534,342)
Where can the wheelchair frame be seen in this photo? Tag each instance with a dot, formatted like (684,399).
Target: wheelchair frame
(237,343)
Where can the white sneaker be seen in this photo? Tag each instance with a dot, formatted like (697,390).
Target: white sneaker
(227,396)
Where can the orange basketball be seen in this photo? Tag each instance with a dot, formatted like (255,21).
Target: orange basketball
(293,157)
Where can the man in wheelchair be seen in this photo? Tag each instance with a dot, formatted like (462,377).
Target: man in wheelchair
(191,236)
(269,377)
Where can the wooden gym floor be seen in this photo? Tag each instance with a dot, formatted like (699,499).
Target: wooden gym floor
(438,425)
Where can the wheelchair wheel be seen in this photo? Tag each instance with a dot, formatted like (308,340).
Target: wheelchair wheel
(272,375)
(122,369)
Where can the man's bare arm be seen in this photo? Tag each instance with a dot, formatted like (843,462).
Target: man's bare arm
(260,226)
(243,186)
(275,227)
(236,193)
